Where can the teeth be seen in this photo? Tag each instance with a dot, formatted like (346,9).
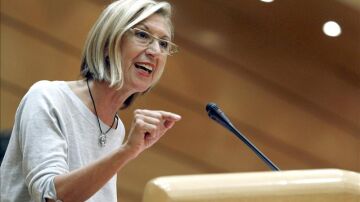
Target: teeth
(148,67)
(145,67)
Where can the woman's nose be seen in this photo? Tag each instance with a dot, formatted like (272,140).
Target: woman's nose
(153,48)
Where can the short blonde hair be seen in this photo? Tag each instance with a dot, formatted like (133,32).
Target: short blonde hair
(101,58)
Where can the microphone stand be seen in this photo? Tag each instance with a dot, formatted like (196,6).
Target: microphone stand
(262,156)
(217,115)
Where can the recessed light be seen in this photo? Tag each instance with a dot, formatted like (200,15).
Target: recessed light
(267,1)
(332,28)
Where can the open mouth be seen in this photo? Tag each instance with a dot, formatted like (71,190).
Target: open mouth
(144,67)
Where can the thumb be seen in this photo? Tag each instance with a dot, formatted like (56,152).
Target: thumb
(168,124)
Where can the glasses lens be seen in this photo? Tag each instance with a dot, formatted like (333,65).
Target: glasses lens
(145,38)
(142,36)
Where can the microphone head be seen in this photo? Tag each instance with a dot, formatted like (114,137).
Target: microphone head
(211,107)
(215,113)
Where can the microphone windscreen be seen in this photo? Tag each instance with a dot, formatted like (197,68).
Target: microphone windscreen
(211,107)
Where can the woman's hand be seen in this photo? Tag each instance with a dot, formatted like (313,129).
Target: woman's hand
(148,127)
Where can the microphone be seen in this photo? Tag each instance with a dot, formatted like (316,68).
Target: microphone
(215,113)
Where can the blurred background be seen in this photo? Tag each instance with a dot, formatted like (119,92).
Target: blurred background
(291,88)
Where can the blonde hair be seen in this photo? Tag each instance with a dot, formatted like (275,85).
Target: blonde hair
(101,58)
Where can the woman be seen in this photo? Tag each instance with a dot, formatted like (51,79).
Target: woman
(66,138)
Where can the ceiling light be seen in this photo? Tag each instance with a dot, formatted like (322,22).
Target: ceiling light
(267,1)
(332,28)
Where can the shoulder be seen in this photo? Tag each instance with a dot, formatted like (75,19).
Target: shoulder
(45,88)
(45,85)
(43,93)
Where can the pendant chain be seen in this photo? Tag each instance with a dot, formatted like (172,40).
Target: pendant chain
(102,137)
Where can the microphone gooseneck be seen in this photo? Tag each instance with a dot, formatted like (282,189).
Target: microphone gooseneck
(215,113)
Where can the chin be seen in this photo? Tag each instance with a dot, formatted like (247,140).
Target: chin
(142,89)
(142,85)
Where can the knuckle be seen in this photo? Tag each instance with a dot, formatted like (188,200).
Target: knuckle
(158,115)
(137,116)
(137,111)
(138,122)
(157,121)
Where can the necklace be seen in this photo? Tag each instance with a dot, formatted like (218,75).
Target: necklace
(102,137)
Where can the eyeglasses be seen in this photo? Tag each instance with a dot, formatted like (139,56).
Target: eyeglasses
(144,38)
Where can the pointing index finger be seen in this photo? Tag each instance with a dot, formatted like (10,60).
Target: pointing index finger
(170,116)
(160,114)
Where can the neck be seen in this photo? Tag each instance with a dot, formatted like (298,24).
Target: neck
(108,100)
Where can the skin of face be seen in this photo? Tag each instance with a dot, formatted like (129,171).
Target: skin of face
(133,53)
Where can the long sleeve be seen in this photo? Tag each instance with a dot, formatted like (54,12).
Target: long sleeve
(42,143)
(54,133)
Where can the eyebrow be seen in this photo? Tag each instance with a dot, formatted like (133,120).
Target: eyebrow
(165,37)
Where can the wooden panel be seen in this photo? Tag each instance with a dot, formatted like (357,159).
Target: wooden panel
(261,109)
(8,106)
(253,109)
(276,63)
(152,163)
(331,185)
(278,72)
(27,60)
(289,103)
(67,20)
(201,139)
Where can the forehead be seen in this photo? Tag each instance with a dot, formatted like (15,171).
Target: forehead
(157,24)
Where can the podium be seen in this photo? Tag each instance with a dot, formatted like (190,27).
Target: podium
(323,185)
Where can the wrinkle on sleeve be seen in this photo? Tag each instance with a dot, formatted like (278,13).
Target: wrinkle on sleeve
(43,144)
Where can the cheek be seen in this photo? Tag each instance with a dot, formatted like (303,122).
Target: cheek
(126,58)
(128,53)
(161,69)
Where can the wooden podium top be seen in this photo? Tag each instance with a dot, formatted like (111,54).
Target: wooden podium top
(295,186)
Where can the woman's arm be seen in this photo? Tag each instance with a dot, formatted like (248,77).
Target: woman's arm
(81,184)
(147,128)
